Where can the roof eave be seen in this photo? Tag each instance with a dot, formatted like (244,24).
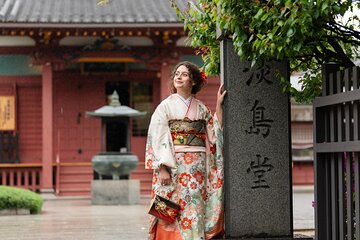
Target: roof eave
(92,25)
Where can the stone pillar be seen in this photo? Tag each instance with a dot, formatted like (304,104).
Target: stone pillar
(47,129)
(258,195)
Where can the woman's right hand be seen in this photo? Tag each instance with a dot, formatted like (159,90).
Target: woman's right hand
(164,175)
(220,96)
(219,103)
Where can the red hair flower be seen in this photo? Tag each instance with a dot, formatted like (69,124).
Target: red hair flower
(203,77)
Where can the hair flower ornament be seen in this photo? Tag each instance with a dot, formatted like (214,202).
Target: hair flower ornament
(203,77)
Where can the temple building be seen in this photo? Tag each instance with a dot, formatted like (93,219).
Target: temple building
(60,59)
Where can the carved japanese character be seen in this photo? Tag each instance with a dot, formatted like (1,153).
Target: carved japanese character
(259,74)
(259,167)
(258,121)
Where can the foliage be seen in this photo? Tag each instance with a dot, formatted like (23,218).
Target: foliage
(306,32)
(11,197)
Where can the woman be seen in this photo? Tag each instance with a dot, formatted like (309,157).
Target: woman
(184,148)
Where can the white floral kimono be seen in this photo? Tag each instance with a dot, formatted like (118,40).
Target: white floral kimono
(189,141)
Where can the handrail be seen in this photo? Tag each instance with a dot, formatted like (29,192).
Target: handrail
(75,164)
(19,165)
(28,175)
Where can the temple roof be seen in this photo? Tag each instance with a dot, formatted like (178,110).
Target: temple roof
(55,13)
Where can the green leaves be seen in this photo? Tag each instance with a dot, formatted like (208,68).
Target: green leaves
(16,198)
(311,87)
(290,32)
(297,30)
(259,14)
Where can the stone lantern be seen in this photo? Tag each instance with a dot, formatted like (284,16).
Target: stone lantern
(115,164)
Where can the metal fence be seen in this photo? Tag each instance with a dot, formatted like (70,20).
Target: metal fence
(337,147)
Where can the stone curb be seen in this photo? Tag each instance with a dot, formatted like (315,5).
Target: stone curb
(303,189)
(17,211)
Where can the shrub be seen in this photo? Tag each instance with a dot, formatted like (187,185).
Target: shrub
(11,197)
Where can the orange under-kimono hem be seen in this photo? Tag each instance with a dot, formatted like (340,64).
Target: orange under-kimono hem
(166,231)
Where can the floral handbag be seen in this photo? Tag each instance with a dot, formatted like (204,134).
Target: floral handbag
(164,209)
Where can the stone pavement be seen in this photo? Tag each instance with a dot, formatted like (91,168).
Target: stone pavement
(303,211)
(74,219)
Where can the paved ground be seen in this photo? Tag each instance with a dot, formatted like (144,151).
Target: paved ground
(78,219)
(303,210)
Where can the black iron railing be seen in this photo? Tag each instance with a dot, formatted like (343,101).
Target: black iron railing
(337,147)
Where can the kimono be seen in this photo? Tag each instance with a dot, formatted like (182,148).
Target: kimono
(189,141)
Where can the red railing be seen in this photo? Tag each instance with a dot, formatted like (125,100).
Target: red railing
(21,175)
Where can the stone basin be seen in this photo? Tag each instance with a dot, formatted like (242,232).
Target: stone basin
(115,164)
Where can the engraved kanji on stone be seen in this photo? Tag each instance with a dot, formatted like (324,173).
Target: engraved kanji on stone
(259,123)
(259,167)
(259,74)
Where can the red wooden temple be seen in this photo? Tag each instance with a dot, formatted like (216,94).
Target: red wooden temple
(59,59)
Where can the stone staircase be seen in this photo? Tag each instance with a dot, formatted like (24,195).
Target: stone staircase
(74,179)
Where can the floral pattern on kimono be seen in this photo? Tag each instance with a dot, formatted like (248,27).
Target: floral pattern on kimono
(196,171)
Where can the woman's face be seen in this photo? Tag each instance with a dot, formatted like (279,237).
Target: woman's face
(182,80)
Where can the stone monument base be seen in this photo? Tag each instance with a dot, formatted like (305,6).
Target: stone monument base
(115,192)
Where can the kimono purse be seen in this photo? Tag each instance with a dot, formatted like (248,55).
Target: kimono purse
(164,209)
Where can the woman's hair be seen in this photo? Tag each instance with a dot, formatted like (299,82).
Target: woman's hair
(195,76)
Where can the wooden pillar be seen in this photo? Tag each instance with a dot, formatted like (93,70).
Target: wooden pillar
(47,129)
(156,88)
(164,80)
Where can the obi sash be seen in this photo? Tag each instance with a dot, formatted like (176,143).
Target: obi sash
(188,132)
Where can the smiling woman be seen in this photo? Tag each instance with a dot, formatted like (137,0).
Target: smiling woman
(182,82)
(186,76)
(184,149)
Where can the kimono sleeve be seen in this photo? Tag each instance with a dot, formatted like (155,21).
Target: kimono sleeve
(214,208)
(159,145)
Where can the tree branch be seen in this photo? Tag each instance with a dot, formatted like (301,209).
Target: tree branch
(340,54)
(342,30)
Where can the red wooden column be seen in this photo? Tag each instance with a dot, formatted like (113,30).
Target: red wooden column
(47,129)
(164,80)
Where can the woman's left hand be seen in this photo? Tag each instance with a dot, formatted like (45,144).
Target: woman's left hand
(164,175)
